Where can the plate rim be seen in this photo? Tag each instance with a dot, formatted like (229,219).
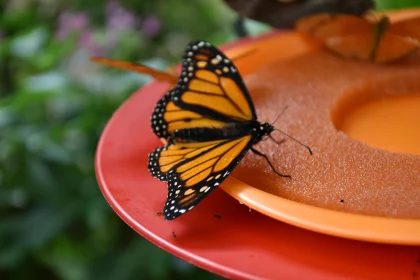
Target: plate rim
(360,227)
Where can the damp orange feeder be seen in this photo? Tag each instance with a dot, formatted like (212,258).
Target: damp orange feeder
(353,204)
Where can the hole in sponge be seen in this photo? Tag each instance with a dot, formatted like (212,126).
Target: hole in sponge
(390,122)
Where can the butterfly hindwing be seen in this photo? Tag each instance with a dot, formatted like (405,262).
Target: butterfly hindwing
(193,170)
(153,165)
(162,159)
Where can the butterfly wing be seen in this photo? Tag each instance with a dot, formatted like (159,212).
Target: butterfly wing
(359,46)
(346,35)
(209,93)
(324,26)
(193,170)
(136,67)
(407,28)
(393,47)
(399,40)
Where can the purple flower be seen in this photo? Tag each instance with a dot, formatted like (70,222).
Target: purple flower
(150,26)
(69,22)
(118,17)
(85,39)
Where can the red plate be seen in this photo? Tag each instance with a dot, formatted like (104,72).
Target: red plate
(237,243)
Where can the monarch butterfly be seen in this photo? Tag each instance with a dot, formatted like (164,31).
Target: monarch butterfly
(209,122)
(373,39)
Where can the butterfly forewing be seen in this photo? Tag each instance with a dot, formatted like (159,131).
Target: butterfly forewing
(209,80)
(209,93)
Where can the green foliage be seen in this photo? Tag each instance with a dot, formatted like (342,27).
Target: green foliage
(54,104)
(393,4)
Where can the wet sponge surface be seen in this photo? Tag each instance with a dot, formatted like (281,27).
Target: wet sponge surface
(343,174)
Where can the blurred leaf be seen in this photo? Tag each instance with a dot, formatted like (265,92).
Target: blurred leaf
(29,44)
(41,224)
(6,116)
(67,258)
(392,4)
(51,82)
(30,231)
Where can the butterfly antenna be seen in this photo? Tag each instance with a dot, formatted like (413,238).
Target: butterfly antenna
(137,67)
(307,147)
(278,117)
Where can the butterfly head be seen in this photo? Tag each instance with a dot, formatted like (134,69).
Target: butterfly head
(261,130)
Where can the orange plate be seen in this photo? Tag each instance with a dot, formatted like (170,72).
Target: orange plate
(222,236)
(235,243)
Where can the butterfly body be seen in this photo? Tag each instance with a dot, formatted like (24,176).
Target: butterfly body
(209,123)
(255,129)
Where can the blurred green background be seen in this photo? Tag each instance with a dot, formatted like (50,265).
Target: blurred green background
(54,103)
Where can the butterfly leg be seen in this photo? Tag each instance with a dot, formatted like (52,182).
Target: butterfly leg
(271,165)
